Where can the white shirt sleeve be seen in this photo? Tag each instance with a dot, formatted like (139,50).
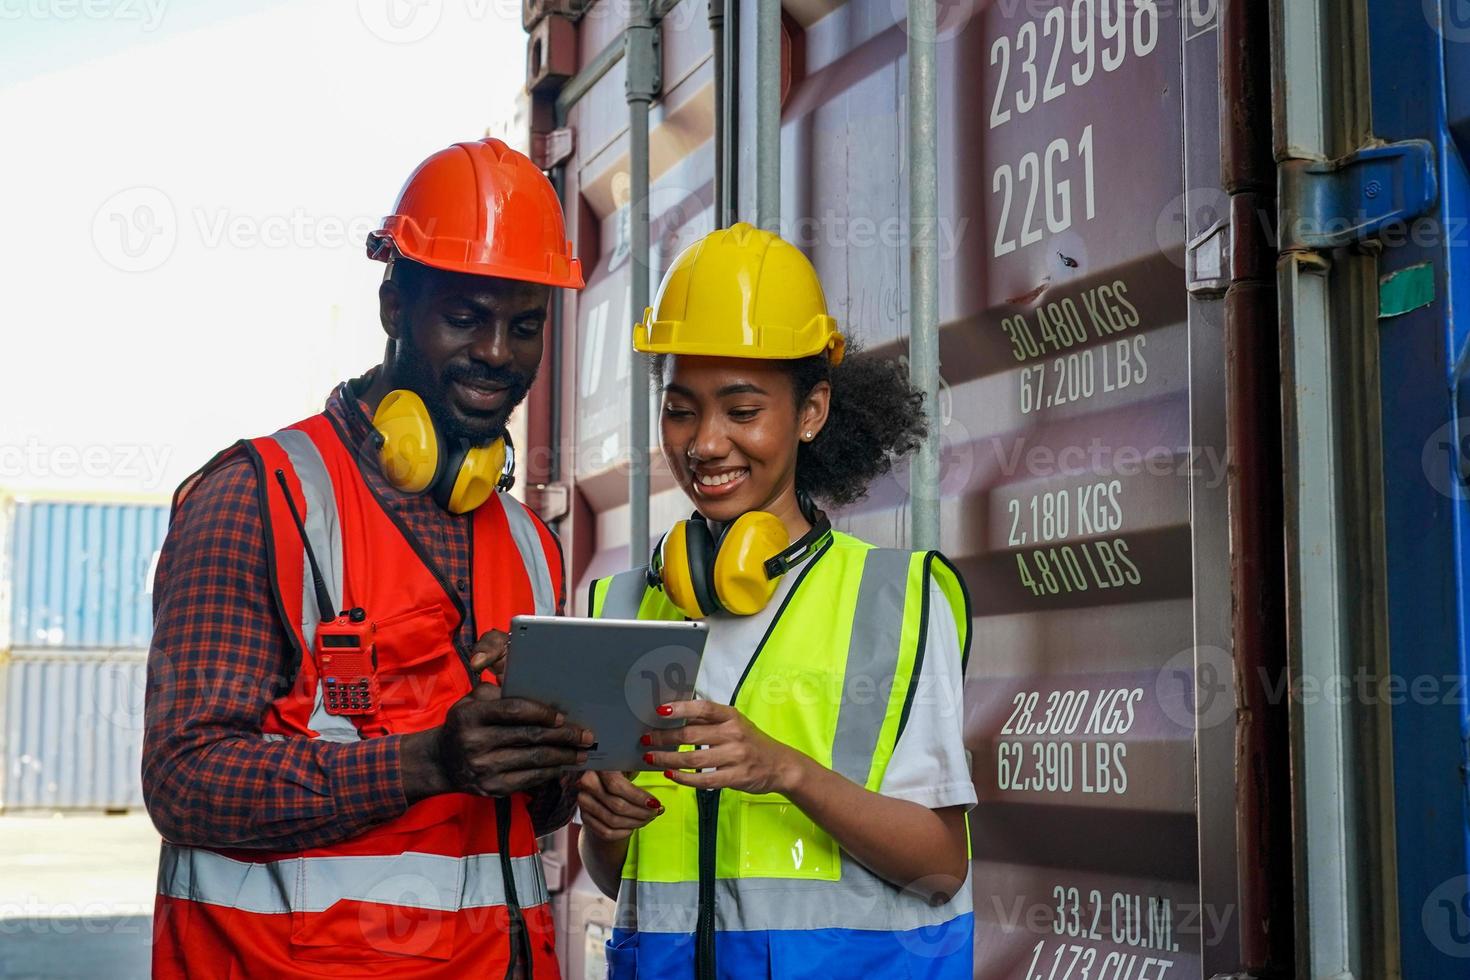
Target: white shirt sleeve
(930,765)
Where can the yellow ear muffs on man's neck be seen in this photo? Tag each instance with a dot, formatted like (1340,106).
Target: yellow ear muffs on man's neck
(414,456)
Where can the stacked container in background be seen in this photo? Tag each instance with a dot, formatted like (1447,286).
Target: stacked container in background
(75,623)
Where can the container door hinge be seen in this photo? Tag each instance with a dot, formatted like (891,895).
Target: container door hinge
(550,501)
(553,149)
(1329,204)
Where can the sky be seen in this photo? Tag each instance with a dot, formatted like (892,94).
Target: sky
(188,185)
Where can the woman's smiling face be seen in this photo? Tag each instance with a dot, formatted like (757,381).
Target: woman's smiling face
(730,429)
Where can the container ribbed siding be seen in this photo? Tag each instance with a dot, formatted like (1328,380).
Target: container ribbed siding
(71,736)
(79,574)
(1071,354)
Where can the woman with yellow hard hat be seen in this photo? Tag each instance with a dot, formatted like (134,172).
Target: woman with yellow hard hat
(814,822)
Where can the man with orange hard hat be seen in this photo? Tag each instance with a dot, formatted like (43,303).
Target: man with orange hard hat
(340,788)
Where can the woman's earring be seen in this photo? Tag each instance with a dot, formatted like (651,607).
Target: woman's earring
(809,435)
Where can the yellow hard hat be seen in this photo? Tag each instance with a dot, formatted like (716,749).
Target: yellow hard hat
(740,292)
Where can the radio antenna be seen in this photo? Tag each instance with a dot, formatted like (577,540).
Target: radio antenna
(323,598)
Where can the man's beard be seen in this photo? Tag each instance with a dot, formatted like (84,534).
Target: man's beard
(412,371)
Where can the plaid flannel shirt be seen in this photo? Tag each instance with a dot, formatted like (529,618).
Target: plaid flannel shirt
(220,655)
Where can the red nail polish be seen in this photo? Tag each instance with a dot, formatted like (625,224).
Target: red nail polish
(646,740)
(653,804)
(666,709)
(648,758)
(668,774)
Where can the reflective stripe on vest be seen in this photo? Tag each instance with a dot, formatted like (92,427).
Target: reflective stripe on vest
(621,596)
(846,648)
(325,534)
(859,900)
(878,631)
(315,884)
(528,543)
(324,531)
(226,912)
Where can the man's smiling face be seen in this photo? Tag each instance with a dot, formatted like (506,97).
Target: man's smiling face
(469,345)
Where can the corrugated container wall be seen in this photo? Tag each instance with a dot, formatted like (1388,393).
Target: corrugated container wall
(72,729)
(1084,480)
(79,574)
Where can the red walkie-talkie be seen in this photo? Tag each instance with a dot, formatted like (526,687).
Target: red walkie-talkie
(346,659)
(348,664)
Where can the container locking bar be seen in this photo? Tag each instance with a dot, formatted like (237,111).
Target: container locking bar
(1330,204)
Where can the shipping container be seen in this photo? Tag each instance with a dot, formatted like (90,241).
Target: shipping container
(78,574)
(71,732)
(1190,476)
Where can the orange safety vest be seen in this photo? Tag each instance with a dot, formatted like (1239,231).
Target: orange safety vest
(440,890)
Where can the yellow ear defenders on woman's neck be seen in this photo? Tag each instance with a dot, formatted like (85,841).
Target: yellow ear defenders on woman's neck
(414,456)
(736,570)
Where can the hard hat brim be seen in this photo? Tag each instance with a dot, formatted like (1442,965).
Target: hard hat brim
(399,236)
(818,336)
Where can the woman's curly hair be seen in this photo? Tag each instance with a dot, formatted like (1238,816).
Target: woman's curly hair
(874,417)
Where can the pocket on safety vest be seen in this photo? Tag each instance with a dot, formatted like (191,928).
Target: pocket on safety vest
(778,840)
(385,895)
(419,671)
(622,957)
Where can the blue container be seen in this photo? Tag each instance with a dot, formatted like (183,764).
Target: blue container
(71,730)
(80,574)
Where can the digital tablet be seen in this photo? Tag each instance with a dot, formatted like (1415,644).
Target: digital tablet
(609,675)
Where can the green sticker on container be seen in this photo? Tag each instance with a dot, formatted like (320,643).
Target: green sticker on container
(1405,290)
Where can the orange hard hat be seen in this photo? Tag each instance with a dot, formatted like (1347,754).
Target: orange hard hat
(484,209)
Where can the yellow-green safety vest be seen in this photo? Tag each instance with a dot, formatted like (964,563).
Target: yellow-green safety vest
(730,884)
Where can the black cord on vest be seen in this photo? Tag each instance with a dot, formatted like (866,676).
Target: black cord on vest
(323,598)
